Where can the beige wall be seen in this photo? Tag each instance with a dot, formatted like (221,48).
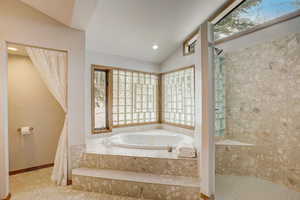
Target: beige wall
(23,24)
(31,104)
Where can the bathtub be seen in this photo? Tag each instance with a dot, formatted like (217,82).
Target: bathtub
(151,139)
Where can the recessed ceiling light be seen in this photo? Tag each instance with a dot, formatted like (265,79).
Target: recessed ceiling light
(12,48)
(155,47)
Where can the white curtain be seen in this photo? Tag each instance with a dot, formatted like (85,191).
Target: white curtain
(52,67)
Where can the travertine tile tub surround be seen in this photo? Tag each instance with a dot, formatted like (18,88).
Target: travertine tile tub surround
(263,108)
(136,189)
(160,166)
(138,176)
(139,173)
(76,154)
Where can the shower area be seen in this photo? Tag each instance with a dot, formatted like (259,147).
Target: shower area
(257,108)
(257,95)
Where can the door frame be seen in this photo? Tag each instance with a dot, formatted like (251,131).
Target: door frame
(4,141)
(4,158)
(207,152)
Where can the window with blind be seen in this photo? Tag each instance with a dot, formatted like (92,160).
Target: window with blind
(135,98)
(178,97)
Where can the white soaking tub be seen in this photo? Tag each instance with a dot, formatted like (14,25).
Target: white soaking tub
(151,139)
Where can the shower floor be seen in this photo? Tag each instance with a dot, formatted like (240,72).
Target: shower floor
(249,188)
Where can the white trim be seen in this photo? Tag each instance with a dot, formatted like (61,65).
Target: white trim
(4,165)
(4,146)
(207,153)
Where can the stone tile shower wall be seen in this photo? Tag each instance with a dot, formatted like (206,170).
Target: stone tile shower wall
(263,108)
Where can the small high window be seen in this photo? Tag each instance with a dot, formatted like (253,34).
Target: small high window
(189,44)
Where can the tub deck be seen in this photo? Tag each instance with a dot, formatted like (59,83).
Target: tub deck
(97,146)
(137,173)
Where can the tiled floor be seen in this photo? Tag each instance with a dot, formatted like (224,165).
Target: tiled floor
(250,188)
(37,185)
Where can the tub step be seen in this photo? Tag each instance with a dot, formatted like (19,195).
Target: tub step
(152,165)
(137,185)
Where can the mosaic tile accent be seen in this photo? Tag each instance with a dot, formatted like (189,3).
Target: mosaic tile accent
(162,166)
(262,93)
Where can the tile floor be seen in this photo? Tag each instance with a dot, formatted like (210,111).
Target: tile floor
(37,185)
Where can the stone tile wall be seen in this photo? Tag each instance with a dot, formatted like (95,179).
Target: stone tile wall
(162,166)
(263,108)
(76,152)
(135,189)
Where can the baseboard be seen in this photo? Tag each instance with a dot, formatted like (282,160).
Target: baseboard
(205,197)
(8,197)
(69,182)
(30,169)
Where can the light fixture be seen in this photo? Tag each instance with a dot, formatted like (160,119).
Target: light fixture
(155,47)
(12,49)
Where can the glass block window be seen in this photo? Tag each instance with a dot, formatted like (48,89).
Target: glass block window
(251,13)
(219,96)
(134,97)
(179,97)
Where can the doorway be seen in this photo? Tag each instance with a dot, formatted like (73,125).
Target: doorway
(37,108)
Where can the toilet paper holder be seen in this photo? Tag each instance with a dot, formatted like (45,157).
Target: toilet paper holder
(30,129)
